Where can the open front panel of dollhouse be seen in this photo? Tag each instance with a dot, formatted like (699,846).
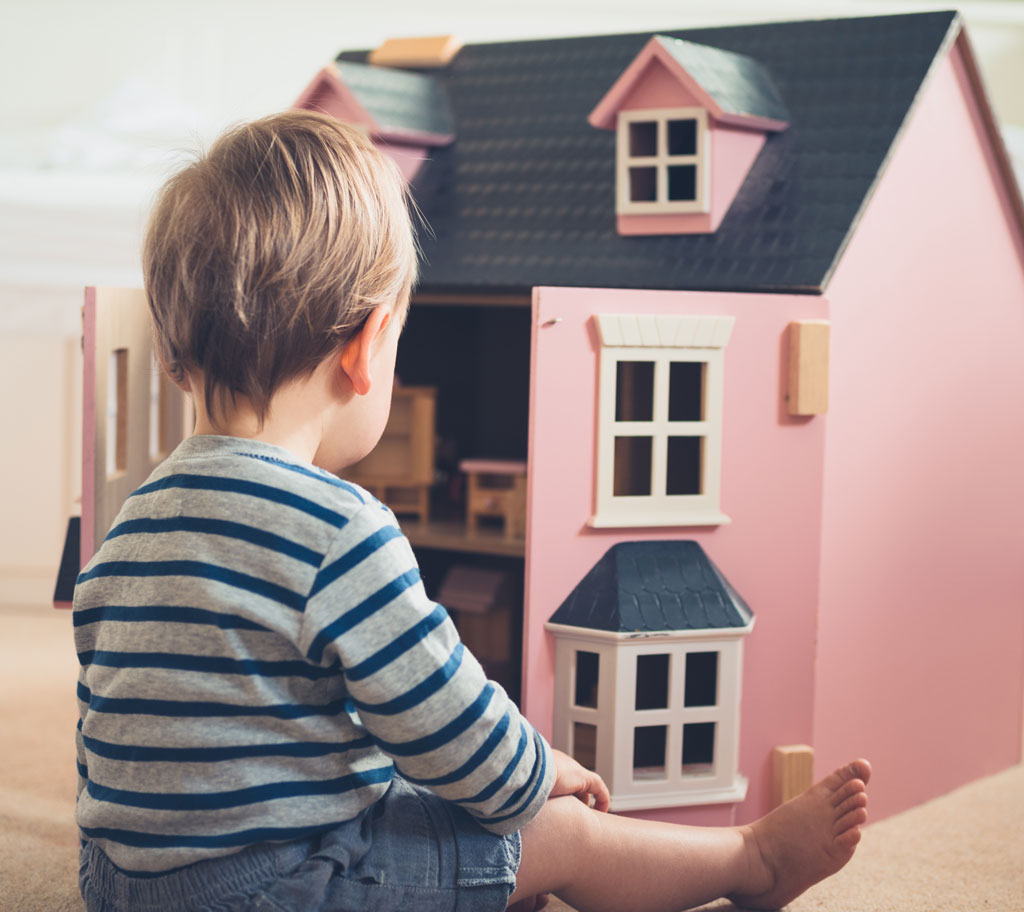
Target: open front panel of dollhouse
(634,637)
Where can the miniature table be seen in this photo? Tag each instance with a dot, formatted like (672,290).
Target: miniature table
(496,489)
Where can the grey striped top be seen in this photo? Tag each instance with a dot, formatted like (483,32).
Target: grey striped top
(258,656)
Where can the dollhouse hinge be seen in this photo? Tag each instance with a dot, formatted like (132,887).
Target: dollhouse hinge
(807,392)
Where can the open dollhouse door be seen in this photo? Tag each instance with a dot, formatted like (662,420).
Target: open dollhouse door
(132,416)
(627,393)
(625,438)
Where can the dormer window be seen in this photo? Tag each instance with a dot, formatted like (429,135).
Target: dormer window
(690,121)
(663,161)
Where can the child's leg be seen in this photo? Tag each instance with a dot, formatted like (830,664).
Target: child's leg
(601,861)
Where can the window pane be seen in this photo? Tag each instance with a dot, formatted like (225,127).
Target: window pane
(634,391)
(684,462)
(686,391)
(587,664)
(632,467)
(698,748)
(584,744)
(682,182)
(652,682)
(649,751)
(682,137)
(117,412)
(701,679)
(643,138)
(643,185)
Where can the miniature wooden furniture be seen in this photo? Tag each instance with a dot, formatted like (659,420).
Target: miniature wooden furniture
(400,470)
(496,488)
(482,602)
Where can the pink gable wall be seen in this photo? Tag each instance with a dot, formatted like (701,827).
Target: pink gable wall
(771,488)
(656,87)
(921,640)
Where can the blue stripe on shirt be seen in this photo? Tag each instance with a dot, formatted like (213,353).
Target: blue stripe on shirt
(398,646)
(222,527)
(365,609)
(201,570)
(255,794)
(479,756)
(315,473)
(240,486)
(505,774)
(204,664)
(446,733)
(197,709)
(416,695)
(145,754)
(170,614)
(359,553)
(539,751)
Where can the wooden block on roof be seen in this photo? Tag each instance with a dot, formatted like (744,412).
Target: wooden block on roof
(808,367)
(418,53)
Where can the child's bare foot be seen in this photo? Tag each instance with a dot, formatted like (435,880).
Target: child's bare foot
(806,839)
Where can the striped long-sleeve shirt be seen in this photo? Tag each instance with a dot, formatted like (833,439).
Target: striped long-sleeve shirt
(258,656)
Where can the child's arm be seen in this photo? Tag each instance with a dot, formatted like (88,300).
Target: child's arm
(421,696)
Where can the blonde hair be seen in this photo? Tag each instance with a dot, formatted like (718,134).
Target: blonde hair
(266,254)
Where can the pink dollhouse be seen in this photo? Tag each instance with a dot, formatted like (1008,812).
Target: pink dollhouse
(753,296)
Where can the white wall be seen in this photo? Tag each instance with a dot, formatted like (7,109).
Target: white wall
(101,99)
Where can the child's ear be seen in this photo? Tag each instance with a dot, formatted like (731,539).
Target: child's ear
(358,351)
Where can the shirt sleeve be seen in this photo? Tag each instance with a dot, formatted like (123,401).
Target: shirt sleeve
(419,693)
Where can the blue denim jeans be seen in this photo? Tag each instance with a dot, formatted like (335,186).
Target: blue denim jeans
(410,852)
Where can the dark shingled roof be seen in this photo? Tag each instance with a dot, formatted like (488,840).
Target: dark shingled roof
(652,586)
(399,100)
(738,84)
(525,195)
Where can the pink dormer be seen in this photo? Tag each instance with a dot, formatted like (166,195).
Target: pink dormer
(406,114)
(690,120)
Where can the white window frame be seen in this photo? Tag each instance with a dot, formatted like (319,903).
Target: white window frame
(661,161)
(662,339)
(615,717)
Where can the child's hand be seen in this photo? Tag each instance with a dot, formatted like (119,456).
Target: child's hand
(573,779)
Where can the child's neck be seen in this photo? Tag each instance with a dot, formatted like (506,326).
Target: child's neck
(294,420)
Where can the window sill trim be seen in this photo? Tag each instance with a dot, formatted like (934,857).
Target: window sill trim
(652,519)
(677,797)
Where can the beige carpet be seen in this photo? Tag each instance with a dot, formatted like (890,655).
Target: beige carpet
(960,853)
